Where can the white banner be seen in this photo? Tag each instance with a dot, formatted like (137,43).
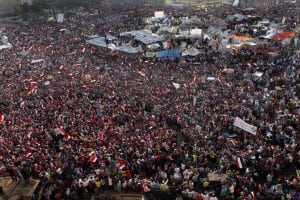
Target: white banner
(159,14)
(245,126)
(60,18)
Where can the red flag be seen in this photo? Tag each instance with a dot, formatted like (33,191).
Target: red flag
(93,159)
(142,73)
(28,154)
(34,143)
(194,79)
(121,165)
(100,136)
(28,134)
(92,50)
(239,163)
(67,137)
(186,85)
(83,50)
(32,89)
(90,153)
(61,131)
(147,180)
(233,141)
(31,81)
(1,118)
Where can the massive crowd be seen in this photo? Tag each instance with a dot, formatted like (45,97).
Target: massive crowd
(87,120)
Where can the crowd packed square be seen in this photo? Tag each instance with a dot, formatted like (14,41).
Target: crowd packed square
(86,119)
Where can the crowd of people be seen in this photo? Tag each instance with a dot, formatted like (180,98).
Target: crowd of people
(85,120)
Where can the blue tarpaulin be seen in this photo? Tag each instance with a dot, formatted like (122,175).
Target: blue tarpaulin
(171,53)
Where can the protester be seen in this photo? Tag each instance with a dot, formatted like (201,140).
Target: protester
(87,122)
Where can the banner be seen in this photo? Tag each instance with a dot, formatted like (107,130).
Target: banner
(159,14)
(60,18)
(245,126)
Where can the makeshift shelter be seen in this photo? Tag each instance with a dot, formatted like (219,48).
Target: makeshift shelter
(284,37)
(144,36)
(191,52)
(240,41)
(5,46)
(170,53)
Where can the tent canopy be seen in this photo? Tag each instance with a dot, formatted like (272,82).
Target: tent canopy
(144,36)
(170,53)
(282,36)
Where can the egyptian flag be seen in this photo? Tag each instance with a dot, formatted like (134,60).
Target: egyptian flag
(67,137)
(92,50)
(34,143)
(28,154)
(233,141)
(93,159)
(187,84)
(32,89)
(100,136)
(142,73)
(90,153)
(83,50)
(249,64)
(194,79)
(28,134)
(121,164)
(31,81)
(239,163)
(60,131)
(1,118)
(63,132)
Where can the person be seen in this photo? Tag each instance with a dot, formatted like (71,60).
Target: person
(12,173)
(3,193)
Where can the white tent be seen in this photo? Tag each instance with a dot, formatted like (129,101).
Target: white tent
(191,52)
(5,46)
(144,36)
